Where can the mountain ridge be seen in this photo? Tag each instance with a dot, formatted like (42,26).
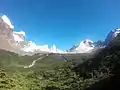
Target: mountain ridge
(15,41)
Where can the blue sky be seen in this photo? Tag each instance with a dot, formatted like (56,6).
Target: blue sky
(63,22)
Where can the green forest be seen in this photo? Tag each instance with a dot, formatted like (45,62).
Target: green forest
(96,71)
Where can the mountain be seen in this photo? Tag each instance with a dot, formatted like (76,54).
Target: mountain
(6,35)
(111,35)
(88,46)
(9,39)
(84,47)
(13,41)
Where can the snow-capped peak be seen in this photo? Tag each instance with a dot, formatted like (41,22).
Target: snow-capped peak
(84,46)
(88,40)
(7,21)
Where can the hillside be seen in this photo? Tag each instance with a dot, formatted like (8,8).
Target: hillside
(97,71)
(104,66)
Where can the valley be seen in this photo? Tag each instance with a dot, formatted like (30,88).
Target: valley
(91,71)
(27,66)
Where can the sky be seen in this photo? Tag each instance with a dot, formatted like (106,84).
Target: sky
(63,22)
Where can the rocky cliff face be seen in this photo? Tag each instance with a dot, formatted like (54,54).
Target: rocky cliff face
(5,35)
(5,30)
(8,38)
(15,41)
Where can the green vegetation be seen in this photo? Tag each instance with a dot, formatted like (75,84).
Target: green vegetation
(62,72)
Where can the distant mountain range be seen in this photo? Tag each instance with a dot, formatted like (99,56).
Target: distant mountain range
(15,41)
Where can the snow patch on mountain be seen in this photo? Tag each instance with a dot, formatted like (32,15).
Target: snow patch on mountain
(32,47)
(116,32)
(7,21)
(19,36)
(84,46)
(21,33)
(54,49)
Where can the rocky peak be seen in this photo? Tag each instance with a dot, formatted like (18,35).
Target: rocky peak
(5,29)
(7,21)
(83,47)
(87,42)
(53,49)
(99,43)
(111,35)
